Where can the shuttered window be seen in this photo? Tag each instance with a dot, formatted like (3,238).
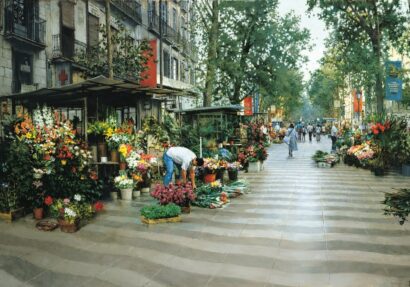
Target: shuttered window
(67,10)
(93,30)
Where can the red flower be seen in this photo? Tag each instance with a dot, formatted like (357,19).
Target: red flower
(98,206)
(376,131)
(48,200)
(93,175)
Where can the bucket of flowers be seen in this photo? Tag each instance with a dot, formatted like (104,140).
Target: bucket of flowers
(211,167)
(125,185)
(233,169)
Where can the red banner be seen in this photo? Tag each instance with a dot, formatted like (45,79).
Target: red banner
(248,106)
(149,76)
(357,101)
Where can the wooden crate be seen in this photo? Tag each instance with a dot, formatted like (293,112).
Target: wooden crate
(12,215)
(160,220)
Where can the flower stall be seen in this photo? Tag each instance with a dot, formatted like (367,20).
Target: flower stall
(56,165)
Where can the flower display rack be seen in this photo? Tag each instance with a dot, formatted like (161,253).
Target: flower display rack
(161,220)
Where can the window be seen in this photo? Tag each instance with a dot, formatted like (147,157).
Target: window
(175,69)
(67,29)
(167,65)
(125,114)
(174,18)
(22,70)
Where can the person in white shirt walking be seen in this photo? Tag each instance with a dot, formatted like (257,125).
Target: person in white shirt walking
(310,131)
(185,160)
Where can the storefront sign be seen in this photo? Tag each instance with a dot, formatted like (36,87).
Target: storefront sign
(256,103)
(248,106)
(394,84)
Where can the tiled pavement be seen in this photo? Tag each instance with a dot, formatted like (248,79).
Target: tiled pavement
(300,226)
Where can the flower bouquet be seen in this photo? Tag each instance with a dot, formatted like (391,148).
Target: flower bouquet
(125,185)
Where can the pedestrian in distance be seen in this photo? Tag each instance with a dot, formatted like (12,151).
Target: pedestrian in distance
(185,160)
(293,138)
(333,136)
(318,132)
(310,131)
(304,130)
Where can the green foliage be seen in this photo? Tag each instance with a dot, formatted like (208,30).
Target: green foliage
(156,211)
(172,129)
(16,189)
(255,48)
(398,204)
(363,32)
(129,57)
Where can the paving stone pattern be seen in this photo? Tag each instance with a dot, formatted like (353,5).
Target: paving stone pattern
(300,226)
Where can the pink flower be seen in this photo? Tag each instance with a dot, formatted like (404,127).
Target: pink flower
(66,201)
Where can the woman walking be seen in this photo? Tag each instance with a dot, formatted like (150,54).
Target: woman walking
(293,138)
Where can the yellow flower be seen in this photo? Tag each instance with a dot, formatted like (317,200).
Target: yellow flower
(63,162)
(29,135)
(109,132)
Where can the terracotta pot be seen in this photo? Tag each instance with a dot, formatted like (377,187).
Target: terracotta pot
(210,177)
(186,209)
(102,149)
(67,227)
(115,156)
(123,165)
(38,213)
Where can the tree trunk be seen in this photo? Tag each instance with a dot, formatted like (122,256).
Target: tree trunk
(379,74)
(212,55)
(108,31)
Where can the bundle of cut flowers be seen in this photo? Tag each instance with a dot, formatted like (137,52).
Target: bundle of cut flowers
(181,195)
(123,182)
(236,165)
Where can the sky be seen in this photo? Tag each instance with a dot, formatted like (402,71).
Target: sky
(316,27)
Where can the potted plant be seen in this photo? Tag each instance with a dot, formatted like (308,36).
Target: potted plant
(404,154)
(38,200)
(125,151)
(125,185)
(98,130)
(178,194)
(69,219)
(153,214)
(211,166)
(254,164)
(379,165)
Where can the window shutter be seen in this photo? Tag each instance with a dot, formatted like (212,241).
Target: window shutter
(93,30)
(67,12)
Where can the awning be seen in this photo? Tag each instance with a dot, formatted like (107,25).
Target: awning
(95,85)
(231,108)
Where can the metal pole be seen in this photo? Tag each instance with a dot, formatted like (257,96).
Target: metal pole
(200,146)
(161,60)
(108,31)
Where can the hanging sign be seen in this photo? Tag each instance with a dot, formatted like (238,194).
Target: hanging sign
(394,84)
(248,106)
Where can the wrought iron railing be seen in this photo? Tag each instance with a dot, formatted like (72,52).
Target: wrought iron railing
(67,51)
(18,22)
(153,21)
(130,8)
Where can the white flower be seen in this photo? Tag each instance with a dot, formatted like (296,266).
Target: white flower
(77,197)
(69,212)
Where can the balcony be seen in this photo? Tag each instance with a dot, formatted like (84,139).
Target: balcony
(184,5)
(130,8)
(66,48)
(169,34)
(23,27)
(153,22)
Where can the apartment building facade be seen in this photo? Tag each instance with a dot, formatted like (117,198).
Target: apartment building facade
(40,39)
